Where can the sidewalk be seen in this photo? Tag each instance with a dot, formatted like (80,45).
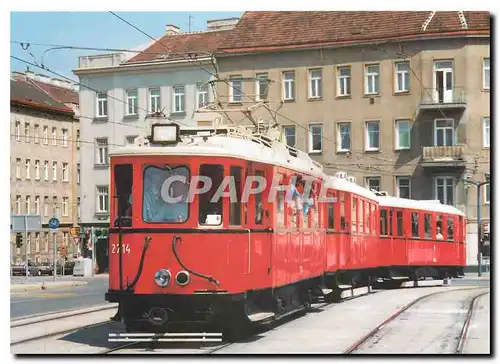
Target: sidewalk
(22,287)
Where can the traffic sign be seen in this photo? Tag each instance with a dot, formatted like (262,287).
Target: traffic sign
(53,223)
(25,223)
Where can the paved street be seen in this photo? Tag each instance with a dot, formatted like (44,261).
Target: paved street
(36,302)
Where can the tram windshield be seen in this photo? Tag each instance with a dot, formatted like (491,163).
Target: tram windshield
(165,194)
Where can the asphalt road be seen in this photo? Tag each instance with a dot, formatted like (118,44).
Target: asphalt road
(66,298)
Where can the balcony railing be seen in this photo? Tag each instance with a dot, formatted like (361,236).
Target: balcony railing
(442,98)
(443,156)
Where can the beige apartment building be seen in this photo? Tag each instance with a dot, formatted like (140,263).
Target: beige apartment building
(44,144)
(399,100)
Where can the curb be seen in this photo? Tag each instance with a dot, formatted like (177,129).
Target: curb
(44,286)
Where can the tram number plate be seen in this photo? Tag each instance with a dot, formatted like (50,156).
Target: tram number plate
(115,248)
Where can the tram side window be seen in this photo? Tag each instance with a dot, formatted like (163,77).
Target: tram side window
(331,216)
(361,221)
(373,220)
(399,223)
(414,224)
(123,193)
(390,223)
(439,227)
(460,229)
(210,212)
(354,214)
(259,207)
(235,199)
(451,229)
(427,225)
(343,223)
(383,222)
(367,217)
(280,209)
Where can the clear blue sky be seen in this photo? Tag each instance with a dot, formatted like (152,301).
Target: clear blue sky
(92,29)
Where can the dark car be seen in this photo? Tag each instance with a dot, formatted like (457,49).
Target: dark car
(46,268)
(20,269)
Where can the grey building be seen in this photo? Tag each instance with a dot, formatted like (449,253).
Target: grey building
(44,162)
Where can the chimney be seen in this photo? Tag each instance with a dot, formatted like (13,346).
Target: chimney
(222,24)
(172,29)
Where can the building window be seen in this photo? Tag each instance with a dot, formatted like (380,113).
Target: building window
(444,132)
(486,132)
(54,171)
(373,183)
(372,135)
(402,134)
(37,205)
(65,238)
(372,79)
(65,174)
(45,135)
(37,242)
(78,138)
(18,168)
(102,104)
(403,187)
(315,138)
(486,73)
(487,189)
(290,135)
(343,137)
(18,204)
(18,131)
(65,206)
(102,199)
(102,151)
(179,98)
(28,205)
(402,78)
(46,170)
(131,102)
(54,205)
(46,242)
(202,95)
(37,169)
(315,84)
(28,244)
(54,136)
(235,90)
(289,85)
(36,133)
(154,100)
(444,190)
(78,173)
(344,81)
(261,86)
(28,167)
(78,208)
(46,206)
(65,137)
(27,132)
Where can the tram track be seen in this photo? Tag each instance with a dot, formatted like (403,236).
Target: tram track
(359,344)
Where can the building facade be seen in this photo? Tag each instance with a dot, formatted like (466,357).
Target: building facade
(121,96)
(44,153)
(403,106)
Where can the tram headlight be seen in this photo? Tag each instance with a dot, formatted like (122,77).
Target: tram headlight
(165,133)
(162,277)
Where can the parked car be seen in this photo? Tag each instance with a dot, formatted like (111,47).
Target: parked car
(46,268)
(20,269)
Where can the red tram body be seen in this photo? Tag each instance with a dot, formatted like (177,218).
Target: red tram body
(237,261)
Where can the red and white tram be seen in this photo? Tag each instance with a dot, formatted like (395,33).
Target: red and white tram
(268,247)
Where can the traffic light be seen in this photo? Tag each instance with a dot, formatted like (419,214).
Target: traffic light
(19,240)
(63,250)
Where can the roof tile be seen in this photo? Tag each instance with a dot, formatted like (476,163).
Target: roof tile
(267,29)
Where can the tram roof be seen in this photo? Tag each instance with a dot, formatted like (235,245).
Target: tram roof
(435,206)
(243,147)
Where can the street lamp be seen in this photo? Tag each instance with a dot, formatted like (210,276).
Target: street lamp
(478,206)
